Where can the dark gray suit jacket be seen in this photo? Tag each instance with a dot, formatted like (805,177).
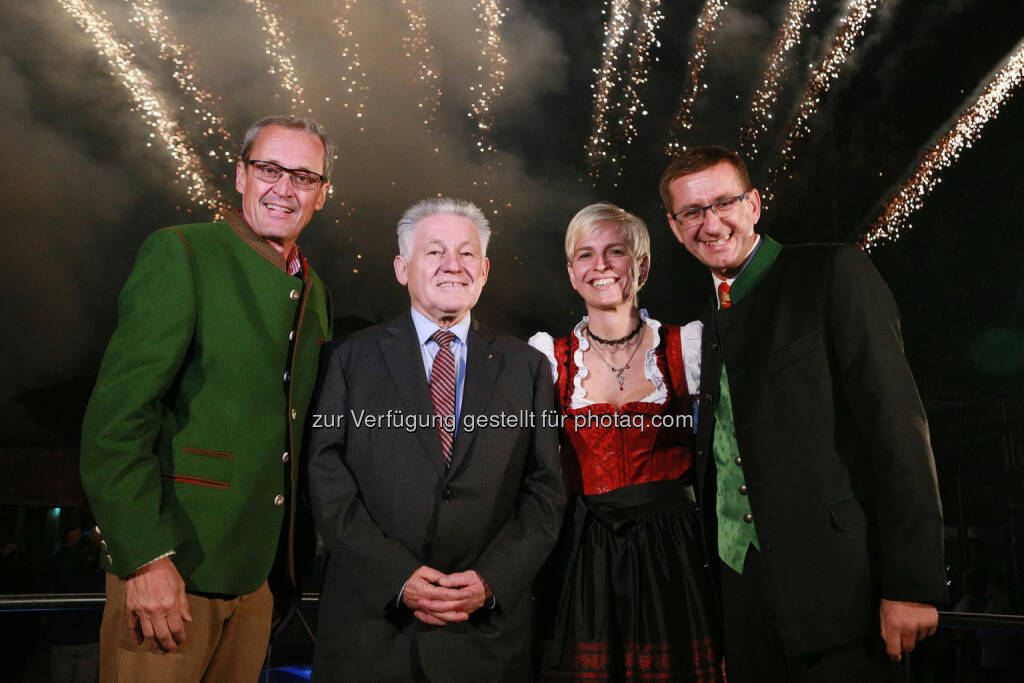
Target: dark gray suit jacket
(384,505)
(834,442)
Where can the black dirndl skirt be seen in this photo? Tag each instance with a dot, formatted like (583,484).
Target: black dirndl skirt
(636,602)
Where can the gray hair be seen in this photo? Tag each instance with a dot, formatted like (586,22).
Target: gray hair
(425,208)
(294,123)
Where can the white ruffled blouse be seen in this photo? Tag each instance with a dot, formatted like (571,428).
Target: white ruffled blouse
(689,336)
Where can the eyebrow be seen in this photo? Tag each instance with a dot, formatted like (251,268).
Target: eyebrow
(461,245)
(607,246)
(300,168)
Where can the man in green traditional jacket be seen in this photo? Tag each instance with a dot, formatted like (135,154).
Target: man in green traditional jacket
(191,437)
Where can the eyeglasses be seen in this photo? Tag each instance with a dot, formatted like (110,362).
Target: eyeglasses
(723,208)
(270,172)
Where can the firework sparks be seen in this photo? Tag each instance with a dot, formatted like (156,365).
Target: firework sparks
(767,93)
(636,37)
(148,15)
(945,149)
(189,169)
(491,15)
(707,22)
(615,26)
(276,49)
(353,79)
(819,81)
(418,46)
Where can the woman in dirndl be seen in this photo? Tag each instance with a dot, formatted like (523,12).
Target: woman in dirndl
(633,599)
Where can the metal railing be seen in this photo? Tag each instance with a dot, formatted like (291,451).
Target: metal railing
(51,602)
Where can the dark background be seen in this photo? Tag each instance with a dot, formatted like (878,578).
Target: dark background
(83,190)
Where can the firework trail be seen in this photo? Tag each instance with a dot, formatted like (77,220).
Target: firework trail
(418,46)
(944,150)
(276,48)
(637,36)
(353,79)
(148,15)
(189,169)
(819,81)
(491,15)
(707,22)
(614,33)
(767,93)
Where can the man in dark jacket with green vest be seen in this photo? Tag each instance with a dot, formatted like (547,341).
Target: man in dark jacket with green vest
(191,437)
(814,469)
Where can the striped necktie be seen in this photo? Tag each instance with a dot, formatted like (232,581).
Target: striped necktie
(442,391)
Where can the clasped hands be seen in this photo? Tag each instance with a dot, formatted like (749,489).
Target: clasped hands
(439,599)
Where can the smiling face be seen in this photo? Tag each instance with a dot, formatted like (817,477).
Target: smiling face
(278,212)
(603,270)
(446,269)
(719,243)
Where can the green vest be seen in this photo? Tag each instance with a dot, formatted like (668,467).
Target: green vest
(736,527)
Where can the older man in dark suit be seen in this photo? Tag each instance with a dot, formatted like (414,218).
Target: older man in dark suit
(814,468)
(434,484)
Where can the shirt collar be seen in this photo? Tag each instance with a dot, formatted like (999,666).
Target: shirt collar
(237,221)
(746,262)
(754,269)
(425,327)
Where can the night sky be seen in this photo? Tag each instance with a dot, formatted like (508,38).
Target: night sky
(84,189)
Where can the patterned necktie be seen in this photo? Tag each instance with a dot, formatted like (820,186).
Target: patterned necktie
(442,390)
(724,298)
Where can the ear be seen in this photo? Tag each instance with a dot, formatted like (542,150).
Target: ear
(322,196)
(755,204)
(677,229)
(645,270)
(485,268)
(401,270)
(240,176)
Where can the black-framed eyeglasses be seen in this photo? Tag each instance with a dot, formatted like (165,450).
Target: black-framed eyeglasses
(269,172)
(723,208)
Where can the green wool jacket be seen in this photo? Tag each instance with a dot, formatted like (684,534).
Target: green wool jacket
(191,437)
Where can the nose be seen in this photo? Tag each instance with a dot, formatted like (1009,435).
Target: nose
(712,221)
(283,187)
(599,261)
(450,262)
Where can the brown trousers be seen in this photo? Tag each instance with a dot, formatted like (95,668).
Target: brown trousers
(226,641)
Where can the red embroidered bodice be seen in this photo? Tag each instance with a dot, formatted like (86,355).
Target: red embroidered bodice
(638,447)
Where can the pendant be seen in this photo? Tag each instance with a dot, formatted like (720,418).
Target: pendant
(619,375)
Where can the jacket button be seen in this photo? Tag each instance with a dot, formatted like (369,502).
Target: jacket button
(109,559)
(448,495)
(285,457)
(279,500)
(287,376)
(707,397)
(293,295)
(738,461)
(700,452)
(743,490)
(295,413)
(291,335)
(103,544)
(748,518)
(714,346)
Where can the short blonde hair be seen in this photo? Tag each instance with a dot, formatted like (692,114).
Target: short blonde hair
(632,230)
